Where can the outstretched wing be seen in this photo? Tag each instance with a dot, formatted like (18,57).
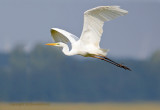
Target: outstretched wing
(60,35)
(94,20)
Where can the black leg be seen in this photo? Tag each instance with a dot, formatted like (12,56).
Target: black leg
(112,62)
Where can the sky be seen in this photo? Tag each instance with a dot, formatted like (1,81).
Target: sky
(28,22)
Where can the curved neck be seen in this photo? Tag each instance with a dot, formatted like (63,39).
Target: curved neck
(65,50)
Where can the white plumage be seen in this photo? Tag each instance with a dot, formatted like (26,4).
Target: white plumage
(94,20)
(88,44)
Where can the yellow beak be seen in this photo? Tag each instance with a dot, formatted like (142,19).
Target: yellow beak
(52,44)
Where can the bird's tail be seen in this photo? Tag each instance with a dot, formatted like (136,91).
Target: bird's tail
(105,51)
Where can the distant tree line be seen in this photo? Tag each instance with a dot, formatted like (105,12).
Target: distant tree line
(45,74)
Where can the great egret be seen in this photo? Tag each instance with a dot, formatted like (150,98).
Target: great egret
(88,44)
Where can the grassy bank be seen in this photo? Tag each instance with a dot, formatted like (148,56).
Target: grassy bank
(79,106)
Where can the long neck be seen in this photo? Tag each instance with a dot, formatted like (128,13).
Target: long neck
(65,50)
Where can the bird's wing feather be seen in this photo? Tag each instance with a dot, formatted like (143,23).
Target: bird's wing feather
(60,35)
(94,20)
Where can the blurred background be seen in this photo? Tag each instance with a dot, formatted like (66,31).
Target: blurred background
(33,72)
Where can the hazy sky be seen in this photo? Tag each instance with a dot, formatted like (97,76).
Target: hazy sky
(136,35)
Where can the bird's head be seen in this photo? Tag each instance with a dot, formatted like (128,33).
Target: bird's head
(58,44)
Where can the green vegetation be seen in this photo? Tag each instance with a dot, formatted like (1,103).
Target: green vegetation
(45,74)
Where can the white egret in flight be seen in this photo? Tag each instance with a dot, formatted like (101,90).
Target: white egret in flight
(88,44)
